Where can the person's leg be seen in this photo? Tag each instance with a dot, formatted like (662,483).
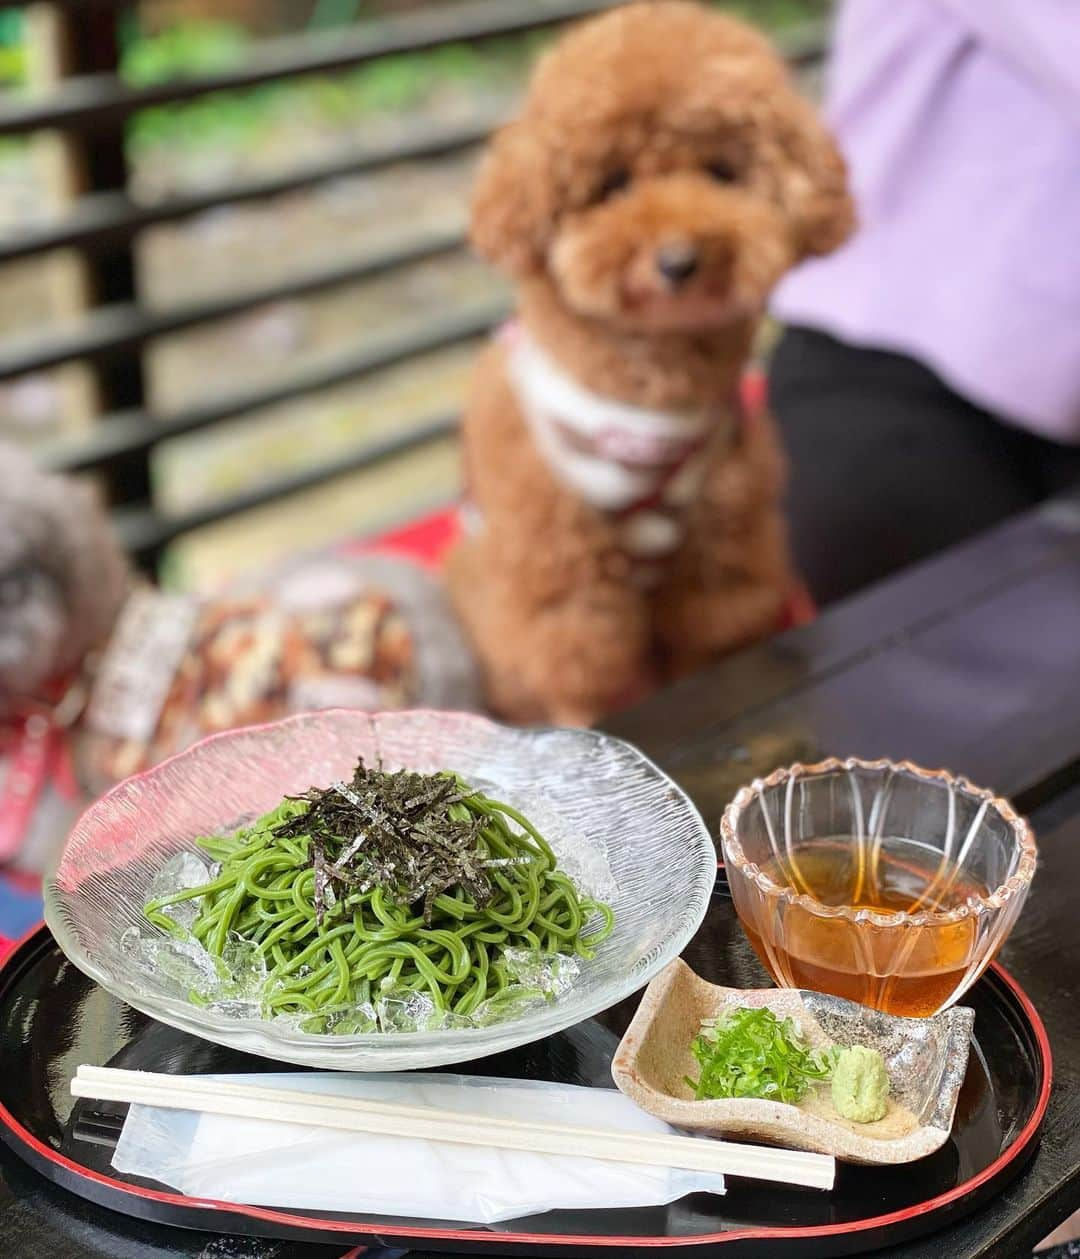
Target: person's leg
(1057,467)
(887,464)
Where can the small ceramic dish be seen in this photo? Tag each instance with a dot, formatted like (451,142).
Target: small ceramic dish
(926,1060)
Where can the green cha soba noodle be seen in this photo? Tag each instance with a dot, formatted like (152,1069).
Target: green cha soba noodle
(403,881)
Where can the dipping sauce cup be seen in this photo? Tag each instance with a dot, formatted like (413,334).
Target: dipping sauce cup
(880,882)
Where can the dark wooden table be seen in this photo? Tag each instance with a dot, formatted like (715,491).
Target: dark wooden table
(972,661)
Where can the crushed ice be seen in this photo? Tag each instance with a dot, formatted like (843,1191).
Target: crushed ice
(181,968)
(236,984)
(551,974)
(246,967)
(402,1010)
(182,870)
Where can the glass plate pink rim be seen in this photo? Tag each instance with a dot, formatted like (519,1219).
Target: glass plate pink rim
(1015,885)
(422,1048)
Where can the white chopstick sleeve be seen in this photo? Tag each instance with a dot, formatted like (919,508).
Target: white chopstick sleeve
(267,1163)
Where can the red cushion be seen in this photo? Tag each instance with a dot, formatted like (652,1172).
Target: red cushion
(425,541)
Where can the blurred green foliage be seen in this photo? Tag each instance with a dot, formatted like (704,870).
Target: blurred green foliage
(12,48)
(390,85)
(190,48)
(774,15)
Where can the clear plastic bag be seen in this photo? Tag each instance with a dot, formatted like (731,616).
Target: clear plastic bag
(266,1163)
(366,631)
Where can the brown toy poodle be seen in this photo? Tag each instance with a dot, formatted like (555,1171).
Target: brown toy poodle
(623,521)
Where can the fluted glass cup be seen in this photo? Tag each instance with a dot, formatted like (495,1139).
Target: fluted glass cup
(880,882)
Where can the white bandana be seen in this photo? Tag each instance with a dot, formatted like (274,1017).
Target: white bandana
(645,466)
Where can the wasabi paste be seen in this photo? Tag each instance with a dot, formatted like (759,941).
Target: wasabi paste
(860,1085)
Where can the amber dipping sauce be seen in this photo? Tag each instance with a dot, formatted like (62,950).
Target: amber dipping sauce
(902,969)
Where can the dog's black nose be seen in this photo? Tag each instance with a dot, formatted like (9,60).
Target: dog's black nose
(676,261)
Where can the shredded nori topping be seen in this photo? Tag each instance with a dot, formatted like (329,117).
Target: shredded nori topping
(400,832)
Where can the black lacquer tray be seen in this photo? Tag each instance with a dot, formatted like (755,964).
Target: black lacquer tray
(52,1018)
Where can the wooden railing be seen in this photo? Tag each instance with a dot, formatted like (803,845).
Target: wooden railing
(90,106)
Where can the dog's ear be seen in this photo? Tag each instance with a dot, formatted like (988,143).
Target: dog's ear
(513,206)
(815,187)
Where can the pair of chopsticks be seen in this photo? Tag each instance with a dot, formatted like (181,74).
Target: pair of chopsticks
(353,1114)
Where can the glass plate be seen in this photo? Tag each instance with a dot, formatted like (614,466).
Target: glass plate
(617,823)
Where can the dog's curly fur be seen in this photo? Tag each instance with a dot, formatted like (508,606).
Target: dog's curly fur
(63,577)
(653,123)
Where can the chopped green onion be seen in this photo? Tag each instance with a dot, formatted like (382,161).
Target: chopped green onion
(752,1053)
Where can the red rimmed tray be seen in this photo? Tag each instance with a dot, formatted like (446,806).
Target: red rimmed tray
(52,1017)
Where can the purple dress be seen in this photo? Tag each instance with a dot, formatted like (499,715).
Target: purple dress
(960,121)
